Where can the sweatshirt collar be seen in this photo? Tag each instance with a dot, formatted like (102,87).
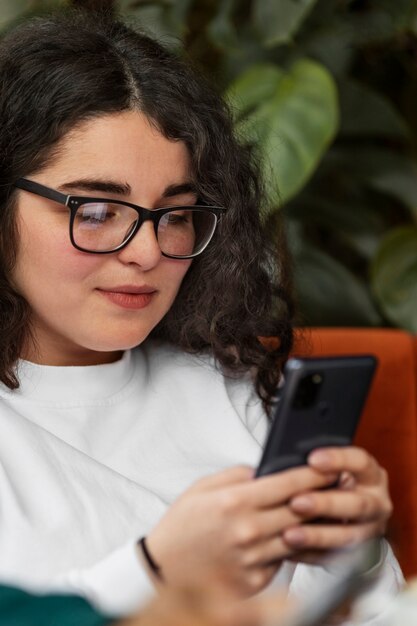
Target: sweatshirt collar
(87,384)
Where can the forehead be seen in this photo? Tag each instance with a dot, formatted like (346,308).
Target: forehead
(125,146)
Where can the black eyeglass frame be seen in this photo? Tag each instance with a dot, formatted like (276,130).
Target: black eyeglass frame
(73,203)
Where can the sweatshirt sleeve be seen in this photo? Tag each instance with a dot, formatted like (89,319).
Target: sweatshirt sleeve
(371,608)
(118,585)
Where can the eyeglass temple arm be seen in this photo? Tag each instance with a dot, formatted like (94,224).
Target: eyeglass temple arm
(41,190)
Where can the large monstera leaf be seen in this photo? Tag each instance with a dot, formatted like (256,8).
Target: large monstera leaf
(394,277)
(278,21)
(292,117)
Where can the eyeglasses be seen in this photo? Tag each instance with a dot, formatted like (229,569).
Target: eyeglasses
(102,226)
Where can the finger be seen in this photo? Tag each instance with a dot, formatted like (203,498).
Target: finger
(262,525)
(251,580)
(346,481)
(309,557)
(230,476)
(274,489)
(355,460)
(330,536)
(269,552)
(258,578)
(273,521)
(353,505)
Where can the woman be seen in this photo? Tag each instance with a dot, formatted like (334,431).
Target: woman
(103,444)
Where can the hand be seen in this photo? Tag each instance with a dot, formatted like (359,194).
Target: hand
(359,508)
(192,608)
(225,531)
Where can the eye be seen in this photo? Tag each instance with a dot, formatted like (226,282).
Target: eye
(179,217)
(95,214)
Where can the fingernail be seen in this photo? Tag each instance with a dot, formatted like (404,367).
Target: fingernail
(320,459)
(294,536)
(302,504)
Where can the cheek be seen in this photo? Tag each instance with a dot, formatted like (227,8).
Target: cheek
(175,271)
(50,263)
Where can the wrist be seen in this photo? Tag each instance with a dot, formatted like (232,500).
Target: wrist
(147,556)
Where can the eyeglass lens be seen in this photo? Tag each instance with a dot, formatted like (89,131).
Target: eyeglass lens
(104,226)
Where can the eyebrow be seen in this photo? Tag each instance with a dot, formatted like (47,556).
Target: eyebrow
(123,189)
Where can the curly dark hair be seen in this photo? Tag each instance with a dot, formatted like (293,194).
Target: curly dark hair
(63,69)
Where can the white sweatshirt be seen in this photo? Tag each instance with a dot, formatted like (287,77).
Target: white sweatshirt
(91,458)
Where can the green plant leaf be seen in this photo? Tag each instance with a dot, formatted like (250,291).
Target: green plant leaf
(257,84)
(358,224)
(331,46)
(394,277)
(221,29)
(138,4)
(293,127)
(329,294)
(365,112)
(384,170)
(11,9)
(400,181)
(401,12)
(157,17)
(375,26)
(279,20)
(13,12)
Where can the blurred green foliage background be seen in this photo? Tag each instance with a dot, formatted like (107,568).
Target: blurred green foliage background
(326,91)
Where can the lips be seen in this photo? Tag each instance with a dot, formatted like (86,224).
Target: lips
(135,289)
(130,296)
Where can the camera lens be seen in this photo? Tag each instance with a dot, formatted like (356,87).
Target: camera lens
(307,391)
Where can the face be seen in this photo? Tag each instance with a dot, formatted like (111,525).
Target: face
(87,308)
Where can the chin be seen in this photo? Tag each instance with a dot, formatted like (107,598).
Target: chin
(116,344)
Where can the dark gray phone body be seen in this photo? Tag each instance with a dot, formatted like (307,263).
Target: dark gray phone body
(320,405)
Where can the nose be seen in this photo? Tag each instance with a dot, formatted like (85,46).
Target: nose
(143,249)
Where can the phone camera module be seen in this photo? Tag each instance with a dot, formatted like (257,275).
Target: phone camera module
(308,390)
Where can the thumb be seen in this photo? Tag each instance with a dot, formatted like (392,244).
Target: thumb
(230,476)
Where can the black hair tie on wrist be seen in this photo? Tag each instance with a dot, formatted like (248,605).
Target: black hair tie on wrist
(149,559)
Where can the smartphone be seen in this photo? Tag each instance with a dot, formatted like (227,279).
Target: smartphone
(320,405)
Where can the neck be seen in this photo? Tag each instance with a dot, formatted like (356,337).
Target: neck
(59,357)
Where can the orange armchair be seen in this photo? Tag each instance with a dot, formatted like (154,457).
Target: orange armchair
(388,427)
